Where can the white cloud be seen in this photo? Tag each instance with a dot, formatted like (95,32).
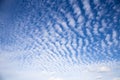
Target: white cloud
(80,19)
(58,28)
(53,78)
(87,8)
(95,29)
(104,69)
(117,78)
(114,34)
(71,20)
(99,77)
(77,10)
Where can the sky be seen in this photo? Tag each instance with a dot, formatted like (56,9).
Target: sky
(59,40)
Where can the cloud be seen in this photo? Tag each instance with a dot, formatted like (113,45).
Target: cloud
(117,78)
(99,77)
(62,40)
(53,78)
(104,69)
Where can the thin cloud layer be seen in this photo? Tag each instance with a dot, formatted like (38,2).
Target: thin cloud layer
(116,78)
(55,78)
(104,69)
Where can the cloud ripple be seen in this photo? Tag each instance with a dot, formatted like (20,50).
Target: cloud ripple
(57,34)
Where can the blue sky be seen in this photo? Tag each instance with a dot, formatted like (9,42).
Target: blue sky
(60,40)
